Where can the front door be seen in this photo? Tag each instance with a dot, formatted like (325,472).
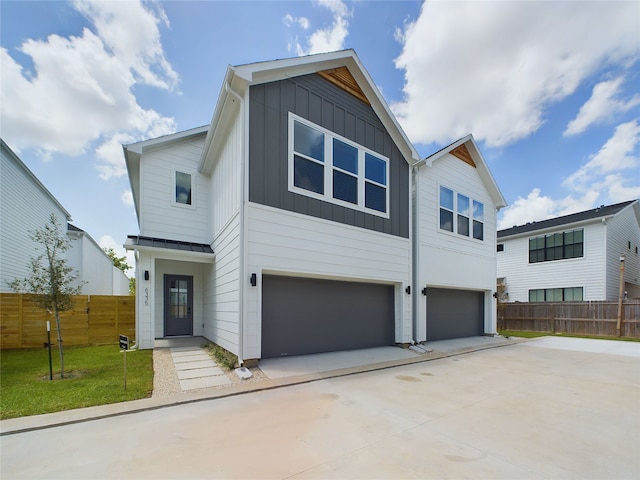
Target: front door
(178,305)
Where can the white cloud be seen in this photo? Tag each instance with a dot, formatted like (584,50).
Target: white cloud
(81,87)
(492,68)
(127,198)
(326,39)
(601,106)
(290,20)
(612,175)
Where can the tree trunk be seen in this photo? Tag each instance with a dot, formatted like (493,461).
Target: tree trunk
(60,343)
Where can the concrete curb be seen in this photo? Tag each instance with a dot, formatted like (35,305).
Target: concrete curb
(38,422)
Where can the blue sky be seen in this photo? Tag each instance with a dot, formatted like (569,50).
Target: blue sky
(550,90)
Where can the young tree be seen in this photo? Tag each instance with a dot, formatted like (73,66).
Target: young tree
(121,263)
(52,280)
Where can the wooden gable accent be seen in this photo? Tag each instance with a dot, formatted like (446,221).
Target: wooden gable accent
(343,79)
(463,154)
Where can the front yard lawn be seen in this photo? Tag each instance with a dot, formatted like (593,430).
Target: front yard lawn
(93,376)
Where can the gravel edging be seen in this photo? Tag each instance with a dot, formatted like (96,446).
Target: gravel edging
(165,378)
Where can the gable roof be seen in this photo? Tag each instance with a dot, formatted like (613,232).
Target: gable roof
(343,68)
(11,155)
(588,216)
(466,149)
(133,152)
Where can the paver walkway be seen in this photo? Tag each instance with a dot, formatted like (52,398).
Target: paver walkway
(196,369)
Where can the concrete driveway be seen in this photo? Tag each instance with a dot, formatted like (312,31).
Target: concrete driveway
(549,408)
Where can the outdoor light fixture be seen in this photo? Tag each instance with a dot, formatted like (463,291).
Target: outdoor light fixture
(146,274)
(408,290)
(254,280)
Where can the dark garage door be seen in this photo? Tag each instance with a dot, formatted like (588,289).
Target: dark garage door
(454,313)
(302,315)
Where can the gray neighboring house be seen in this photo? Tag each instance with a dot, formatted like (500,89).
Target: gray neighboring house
(25,206)
(572,257)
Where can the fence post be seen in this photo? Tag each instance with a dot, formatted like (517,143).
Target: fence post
(552,309)
(620,295)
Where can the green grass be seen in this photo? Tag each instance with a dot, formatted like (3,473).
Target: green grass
(93,376)
(525,334)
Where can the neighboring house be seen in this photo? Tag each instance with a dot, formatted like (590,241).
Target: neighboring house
(573,257)
(286,226)
(26,206)
(456,203)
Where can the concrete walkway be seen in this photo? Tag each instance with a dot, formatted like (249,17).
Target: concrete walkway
(196,369)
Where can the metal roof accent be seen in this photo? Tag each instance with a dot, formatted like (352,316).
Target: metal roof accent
(142,241)
(593,214)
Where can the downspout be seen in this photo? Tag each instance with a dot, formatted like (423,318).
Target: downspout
(242,267)
(415,251)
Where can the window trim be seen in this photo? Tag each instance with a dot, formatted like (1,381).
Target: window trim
(330,168)
(174,201)
(455,214)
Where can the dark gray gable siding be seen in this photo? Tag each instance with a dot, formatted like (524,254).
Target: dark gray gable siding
(324,104)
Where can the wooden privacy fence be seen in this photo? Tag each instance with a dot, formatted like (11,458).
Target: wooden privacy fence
(581,318)
(94,320)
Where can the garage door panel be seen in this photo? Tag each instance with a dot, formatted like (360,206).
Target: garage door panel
(454,313)
(301,315)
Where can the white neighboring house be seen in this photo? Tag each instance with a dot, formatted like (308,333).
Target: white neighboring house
(573,257)
(456,202)
(285,227)
(25,206)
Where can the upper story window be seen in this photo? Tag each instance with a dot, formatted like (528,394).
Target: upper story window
(183,188)
(328,167)
(468,213)
(556,246)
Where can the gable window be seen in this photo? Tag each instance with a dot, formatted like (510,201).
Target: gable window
(328,167)
(469,214)
(182,188)
(556,246)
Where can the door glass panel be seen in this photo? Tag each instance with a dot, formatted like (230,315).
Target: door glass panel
(178,298)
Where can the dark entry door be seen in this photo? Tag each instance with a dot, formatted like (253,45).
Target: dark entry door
(178,305)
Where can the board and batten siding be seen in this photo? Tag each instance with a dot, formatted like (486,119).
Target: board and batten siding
(622,230)
(587,272)
(326,105)
(288,243)
(26,207)
(160,217)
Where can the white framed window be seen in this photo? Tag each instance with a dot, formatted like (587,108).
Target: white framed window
(183,189)
(329,167)
(460,214)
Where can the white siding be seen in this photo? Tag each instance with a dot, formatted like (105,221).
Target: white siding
(587,272)
(623,237)
(447,259)
(26,207)
(288,243)
(159,216)
(222,295)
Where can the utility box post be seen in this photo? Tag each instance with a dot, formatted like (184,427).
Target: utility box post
(620,296)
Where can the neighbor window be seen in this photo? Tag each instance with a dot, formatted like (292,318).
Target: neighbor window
(183,188)
(570,294)
(328,167)
(556,246)
(469,214)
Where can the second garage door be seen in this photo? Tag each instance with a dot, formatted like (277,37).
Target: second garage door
(454,313)
(302,315)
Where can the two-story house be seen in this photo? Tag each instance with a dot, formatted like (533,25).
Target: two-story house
(573,257)
(285,226)
(26,205)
